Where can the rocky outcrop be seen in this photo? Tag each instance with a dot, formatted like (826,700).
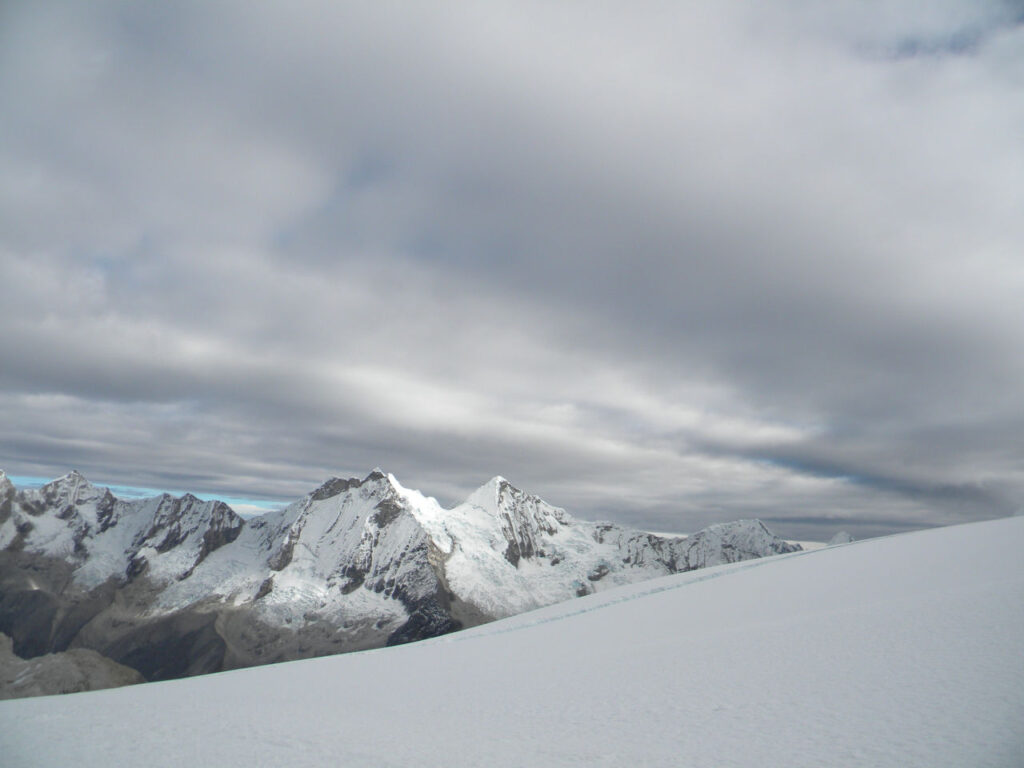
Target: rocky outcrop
(70,672)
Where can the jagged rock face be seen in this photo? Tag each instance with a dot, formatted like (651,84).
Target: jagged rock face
(524,519)
(178,586)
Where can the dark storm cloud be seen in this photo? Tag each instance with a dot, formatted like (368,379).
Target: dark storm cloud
(657,263)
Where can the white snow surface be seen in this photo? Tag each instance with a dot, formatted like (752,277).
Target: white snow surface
(902,651)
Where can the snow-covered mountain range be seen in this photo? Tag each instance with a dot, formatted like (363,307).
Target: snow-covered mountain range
(180,586)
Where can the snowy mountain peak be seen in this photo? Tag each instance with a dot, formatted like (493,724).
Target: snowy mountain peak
(498,483)
(377,482)
(72,478)
(380,483)
(69,490)
(499,497)
(487,495)
(732,542)
(840,538)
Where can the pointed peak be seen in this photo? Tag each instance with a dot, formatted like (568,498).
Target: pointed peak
(385,481)
(842,537)
(488,496)
(500,484)
(74,477)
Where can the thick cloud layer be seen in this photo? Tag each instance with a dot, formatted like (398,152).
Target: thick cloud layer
(659,262)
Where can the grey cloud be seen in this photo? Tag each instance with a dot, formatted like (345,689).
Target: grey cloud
(253,246)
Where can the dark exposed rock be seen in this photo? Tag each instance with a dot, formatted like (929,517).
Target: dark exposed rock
(224,528)
(512,552)
(387,512)
(356,577)
(136,567)
(28,616)
(598,573)
(33,507)
(283,556)
(265,588)
(429,619)
(105,511)
(172,538)
(333,487)
(180,645)
(22,530)
(79,611)
(523,519)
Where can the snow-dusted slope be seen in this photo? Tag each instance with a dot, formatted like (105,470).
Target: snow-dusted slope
(889,652)
(355,564)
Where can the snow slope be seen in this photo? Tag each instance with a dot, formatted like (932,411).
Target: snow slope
(903,651)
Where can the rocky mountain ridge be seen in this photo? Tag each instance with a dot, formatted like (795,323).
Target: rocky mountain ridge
(179,586)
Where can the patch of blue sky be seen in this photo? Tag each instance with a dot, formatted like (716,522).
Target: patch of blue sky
(252,506)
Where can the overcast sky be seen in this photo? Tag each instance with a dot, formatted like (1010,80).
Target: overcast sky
(662,263)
